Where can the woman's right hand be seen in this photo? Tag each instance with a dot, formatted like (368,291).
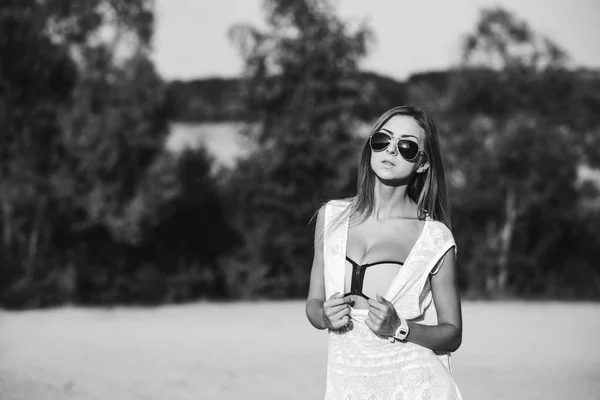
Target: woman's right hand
(336,310)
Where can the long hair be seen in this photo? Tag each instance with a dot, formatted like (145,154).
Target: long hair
(427,189)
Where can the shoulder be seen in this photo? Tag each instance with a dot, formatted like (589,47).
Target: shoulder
(442,240)
(335,206)
(440,231)
(332,212)
(339,202)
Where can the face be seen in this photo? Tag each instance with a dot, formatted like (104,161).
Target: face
(388,164)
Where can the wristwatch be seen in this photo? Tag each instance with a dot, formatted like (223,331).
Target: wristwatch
(402,331)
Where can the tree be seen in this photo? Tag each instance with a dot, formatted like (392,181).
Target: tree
(34,88)
(188,235)
(82,121)
(513,173)
(503,42)
(301,88)
(515,114)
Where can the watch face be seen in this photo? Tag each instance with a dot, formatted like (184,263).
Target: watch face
(402,331)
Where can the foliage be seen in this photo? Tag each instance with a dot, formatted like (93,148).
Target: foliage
(520,130)
(220,99)
(87,189)
(205,100)
(93,210)
(502,41)
(302,86)
(34,86)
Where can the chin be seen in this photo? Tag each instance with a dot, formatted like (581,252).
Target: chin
(391,178)
(388,173)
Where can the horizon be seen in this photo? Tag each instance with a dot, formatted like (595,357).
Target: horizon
(207,23)
(378,73)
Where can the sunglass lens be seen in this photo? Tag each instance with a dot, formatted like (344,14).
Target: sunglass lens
(379,141)
(408,149)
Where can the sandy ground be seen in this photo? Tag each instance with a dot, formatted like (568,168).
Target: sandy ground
(268,350)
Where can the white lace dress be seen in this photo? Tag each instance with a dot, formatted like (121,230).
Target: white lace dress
(363,366)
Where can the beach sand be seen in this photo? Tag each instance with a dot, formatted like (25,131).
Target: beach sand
(268,350)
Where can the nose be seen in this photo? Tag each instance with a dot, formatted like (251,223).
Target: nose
(393,146)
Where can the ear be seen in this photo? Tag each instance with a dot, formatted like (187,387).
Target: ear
(423,167)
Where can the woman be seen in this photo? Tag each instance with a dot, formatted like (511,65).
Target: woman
(383,279)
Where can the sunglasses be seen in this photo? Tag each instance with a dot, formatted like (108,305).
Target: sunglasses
(408,149)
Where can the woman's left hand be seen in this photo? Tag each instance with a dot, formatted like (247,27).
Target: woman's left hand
(383,319)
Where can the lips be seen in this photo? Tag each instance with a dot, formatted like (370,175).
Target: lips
(387,162)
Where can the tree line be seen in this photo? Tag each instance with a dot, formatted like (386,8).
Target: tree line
(220,99)
(95,210)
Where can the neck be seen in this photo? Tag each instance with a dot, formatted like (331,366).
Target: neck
(393,202)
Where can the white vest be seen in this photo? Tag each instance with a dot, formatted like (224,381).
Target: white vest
(410,292)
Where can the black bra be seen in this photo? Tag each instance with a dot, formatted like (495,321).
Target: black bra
(358,276)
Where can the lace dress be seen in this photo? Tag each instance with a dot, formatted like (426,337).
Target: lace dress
(363,366)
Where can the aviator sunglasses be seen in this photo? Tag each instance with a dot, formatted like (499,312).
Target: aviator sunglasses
(408,149)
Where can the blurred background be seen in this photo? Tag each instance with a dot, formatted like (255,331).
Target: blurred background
(158,152)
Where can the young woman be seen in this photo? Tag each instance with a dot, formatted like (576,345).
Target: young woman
(383,279)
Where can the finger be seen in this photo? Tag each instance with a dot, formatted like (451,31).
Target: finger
(329,312)
(339,314)
(371,325)
(341,322)
(382,299)
(338,300)
(385,302)
(335,295)
(342,300)
(373,318)
(329,306)
(377,312)
(377,305)
(334,310)
(337,321)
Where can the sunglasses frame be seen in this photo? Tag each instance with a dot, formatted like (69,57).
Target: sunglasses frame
(419,151)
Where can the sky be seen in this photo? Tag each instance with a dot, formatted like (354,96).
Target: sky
(410,36)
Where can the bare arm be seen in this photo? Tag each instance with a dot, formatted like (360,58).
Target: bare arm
(447,334)
(323,314)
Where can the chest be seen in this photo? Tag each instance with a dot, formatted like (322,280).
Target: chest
(371,241)
(375,255)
